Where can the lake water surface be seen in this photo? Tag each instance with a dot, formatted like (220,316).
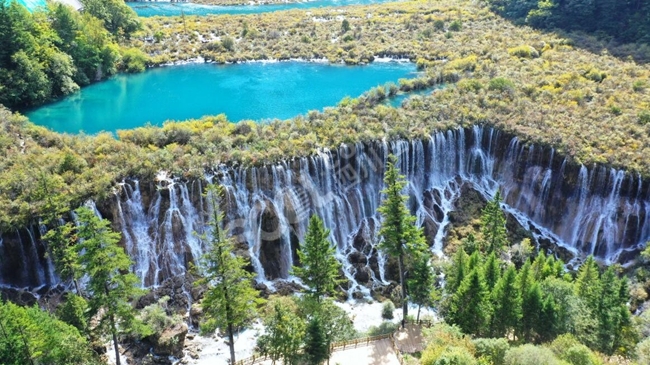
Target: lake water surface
(147,9)
(254,91)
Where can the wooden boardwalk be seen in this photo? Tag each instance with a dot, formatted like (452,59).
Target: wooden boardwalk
(376,353)
(409,339)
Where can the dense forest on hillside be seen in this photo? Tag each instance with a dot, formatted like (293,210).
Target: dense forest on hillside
(54,52)
(621,28)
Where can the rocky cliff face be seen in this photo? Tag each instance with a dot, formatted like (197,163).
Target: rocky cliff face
(585,210)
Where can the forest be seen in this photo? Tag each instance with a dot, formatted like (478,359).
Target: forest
(503,299)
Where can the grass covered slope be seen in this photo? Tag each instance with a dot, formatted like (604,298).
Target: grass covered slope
(594,108)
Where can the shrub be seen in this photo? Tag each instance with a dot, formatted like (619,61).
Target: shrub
(643,351)
(439,25)
(387,310)
(501,84)
(73,312)
(594,75)
(472,85)
(531,355)
(580,355)
(345,25)
(383,328)
(644,117)
(156,317)
(639,86)
(455,26)
(493,349)
(228,43)
(134,60)
(455,356)
(524,51)
(463,64)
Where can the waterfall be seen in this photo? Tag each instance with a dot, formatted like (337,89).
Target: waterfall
(583,209)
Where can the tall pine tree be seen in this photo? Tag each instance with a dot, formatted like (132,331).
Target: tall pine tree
(230,300)
(320,269)
(493,226)
(400,236)
(470,306)
(506,300)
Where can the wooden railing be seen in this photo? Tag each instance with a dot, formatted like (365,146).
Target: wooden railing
(342,345)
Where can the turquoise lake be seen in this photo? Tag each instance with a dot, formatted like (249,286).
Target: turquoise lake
(31,5)
(148,8)
(254,91)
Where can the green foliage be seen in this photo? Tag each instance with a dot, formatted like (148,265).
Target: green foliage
(320,269)
(455,26)
(73,312)
(506,299)
(158,316)
(469,307)
(642,351)
(111,286)
(118,17)
(383,329)
(531,355)
(400,236)
(345,26)
(455,356)
(493,222)
(230,300)
(447,343)
(644,117)
(457,272)
(492,349)
(316,345)
(387,310)
(31,336)
(228,43)
(524,51)
(624,21)
(284,332)
(501,84)
(134,60)
(421,282)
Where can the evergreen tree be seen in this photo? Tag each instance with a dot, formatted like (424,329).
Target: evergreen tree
(284,334)
(537,267)
(525,278)
(320,269)
(421,282)
(587,284)
(492,271)
(532,304)
(316,344)
(493,226)
(470,306)
(111,286)
(400,236)
(230,300)
(506,300)
(457,271)
(546,328)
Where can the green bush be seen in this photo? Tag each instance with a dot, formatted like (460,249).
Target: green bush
(472,85)
(383,328)
(501,84)
(157,318)
(644,117)
(455,26)
(455,356)
(439,25)
(73,312)
(580,355)
(134,60)
(524,51)
(228,43)
(493,349)
(531,355)
(639,86)
(387,310)
(643,351)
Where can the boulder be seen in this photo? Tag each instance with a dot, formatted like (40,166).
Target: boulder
(171,341)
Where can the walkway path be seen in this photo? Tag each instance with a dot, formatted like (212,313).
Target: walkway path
(409,339)
(377,353)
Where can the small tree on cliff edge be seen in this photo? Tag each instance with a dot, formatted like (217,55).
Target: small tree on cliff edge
(320,269)
(230,300)
(111,286)
(400,237)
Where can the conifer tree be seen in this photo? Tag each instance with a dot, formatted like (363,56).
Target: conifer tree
(492,271)
(316,344)
(493,226)
(400,236)
(111,285)
(587,284)
(457,271)
(532,307)
(506,300)
(470,306)
(421,282)
(230,300)
(320,269)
